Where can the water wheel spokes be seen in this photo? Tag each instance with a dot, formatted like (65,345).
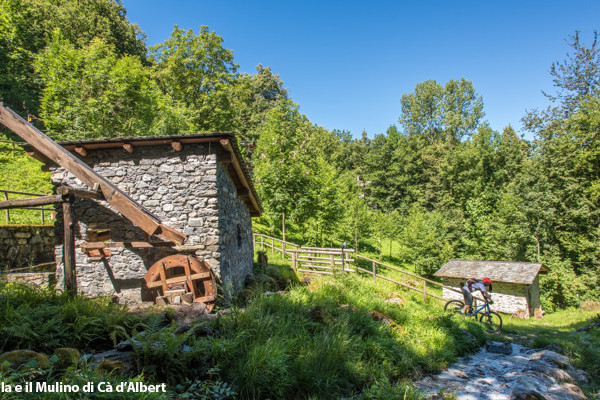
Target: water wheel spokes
(183,274)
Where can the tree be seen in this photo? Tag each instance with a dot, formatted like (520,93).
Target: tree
(449,112)
(91,92)
(576,77)
(196,70)
(26,26)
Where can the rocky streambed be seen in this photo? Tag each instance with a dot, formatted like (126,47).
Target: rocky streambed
(501,371)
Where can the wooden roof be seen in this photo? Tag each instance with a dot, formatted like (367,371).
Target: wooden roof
(497,271)
(235,165)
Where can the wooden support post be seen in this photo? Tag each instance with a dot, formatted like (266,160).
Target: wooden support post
(69,247)
(262,242)
(42,215)
(424,291)
(295,261)
(282,250)
(374,271)
(7,211)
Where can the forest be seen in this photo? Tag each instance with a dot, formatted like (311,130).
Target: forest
(439,184)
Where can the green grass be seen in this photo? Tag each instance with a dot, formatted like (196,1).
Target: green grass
(22,173)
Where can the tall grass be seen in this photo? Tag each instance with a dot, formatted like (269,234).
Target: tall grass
(277,349)
(43,320)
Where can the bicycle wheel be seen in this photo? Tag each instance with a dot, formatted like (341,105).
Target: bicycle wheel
(492,322)
(454,305)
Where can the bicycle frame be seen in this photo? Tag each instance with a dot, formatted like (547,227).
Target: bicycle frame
(485,307)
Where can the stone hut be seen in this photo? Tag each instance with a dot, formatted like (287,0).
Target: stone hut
(516,286)
(197,184)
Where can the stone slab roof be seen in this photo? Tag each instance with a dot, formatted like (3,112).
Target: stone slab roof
(498,271)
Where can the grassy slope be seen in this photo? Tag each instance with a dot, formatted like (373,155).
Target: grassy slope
(22,173)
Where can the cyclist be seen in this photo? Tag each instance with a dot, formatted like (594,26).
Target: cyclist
(484,286)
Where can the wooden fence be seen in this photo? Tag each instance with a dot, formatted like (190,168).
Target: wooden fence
(329,261)
(12,146)
(44,211)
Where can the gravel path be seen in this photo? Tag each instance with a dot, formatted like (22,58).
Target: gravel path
(523,373)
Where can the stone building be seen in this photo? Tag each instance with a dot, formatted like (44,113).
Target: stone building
(516,286)
(197,184)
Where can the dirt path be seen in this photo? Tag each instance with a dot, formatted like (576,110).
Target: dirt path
(523,374)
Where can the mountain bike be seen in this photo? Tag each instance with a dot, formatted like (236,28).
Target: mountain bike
(491,320)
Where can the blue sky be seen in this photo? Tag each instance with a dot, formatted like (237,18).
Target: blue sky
(347,63)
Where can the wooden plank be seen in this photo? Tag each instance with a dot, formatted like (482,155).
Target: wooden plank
(87,194)
(119,200)
(205,299)
(177,146)
(163,279)
(81,151)
(178,279)
(136,245)
(315,272)
(31,202)
(69,248)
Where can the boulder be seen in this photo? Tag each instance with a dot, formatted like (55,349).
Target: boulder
(18,358)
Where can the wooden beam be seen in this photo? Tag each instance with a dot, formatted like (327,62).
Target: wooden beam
(178,279)
(240,172)
(177,146)
(81,151)
(40,157)
(102,245)
(87,194)
(69,247)
(31,202)
(115,197)
(128,147)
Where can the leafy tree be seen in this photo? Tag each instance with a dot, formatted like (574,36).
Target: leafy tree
(449,112)
(26,26)
(91,92)
(196,70)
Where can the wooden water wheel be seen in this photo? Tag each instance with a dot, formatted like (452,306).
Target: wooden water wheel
(185,275)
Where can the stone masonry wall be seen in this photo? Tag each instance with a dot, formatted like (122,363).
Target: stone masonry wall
(235,241)
(508,297)
(180,188)
(23,245)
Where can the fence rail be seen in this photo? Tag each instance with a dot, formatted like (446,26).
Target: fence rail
(325,261)
(15,146)
(44,211)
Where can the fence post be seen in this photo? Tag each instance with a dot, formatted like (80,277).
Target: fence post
(424,291)
(42,215)
(262,242)
(253,241)
(295,261)
(282,250)
(332,261)
(374,271)
(7,210)
(272,246)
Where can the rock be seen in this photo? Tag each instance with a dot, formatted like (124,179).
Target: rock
(66,357)
(111,360)
(500,348)
(109,367)
(183,328)
(321,315)
(580,376)
(553,357)
(128,345)
(559,374)
(567,391)
(18,358)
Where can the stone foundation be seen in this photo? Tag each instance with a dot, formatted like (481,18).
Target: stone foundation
(23,245)
(38,279)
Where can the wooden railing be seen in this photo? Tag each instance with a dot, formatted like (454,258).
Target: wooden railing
(269,241)
(329,261)
(319,260)
(44,211)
